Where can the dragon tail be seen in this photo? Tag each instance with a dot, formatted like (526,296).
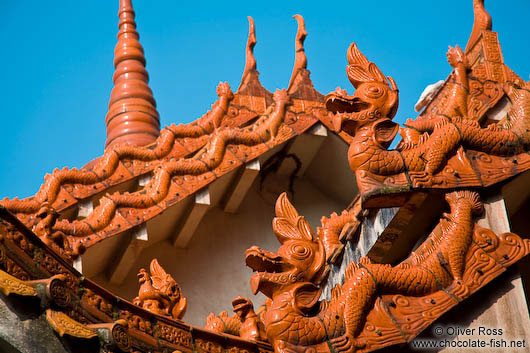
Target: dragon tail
(467,196)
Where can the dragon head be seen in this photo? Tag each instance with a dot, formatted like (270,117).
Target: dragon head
(301,257)
(143,276)
(375,97)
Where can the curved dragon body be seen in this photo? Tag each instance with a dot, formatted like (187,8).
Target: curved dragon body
(427,144)
(107,165)
(69,235)
(440,140)
(294,319)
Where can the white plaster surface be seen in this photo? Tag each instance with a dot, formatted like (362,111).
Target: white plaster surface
(212,270)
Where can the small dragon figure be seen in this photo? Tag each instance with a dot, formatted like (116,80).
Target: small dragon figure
(159,293)
(294,318)
(245,323)
(427,143)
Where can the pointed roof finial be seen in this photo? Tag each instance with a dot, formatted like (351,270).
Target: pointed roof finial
(250,85)
(250,60)
(482,22)
(132,117)
(300,60)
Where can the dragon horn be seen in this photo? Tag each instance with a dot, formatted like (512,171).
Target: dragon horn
(393,102)
(360,69)
(393,84)
(284,208)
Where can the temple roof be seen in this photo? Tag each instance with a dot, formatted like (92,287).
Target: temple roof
(177,176)
(131,184)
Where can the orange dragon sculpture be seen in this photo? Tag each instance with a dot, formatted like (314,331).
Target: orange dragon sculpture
(159,293)
(427,143)
(296,321)
(245,323)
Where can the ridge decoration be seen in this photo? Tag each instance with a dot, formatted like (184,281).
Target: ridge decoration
(227,148)
(132,117)
(449,147)
(12,285)
(91,310)
(65,325)
(457,143)
(159,293)
(245,323)
(182,160)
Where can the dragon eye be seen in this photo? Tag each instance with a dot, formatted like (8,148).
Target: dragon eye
(374,91)
(300,252)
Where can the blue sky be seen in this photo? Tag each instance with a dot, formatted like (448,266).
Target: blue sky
(57,61)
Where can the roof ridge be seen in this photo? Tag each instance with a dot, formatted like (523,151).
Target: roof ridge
(109,162)
(267,132)
(87,303)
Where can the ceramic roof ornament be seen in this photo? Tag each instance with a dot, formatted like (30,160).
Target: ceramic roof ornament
(132,117)
(378,304)
(300,59)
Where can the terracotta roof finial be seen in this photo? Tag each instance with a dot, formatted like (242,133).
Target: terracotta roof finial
(132,117)
(300,60)
(250,85)
(250,61)
(482,22)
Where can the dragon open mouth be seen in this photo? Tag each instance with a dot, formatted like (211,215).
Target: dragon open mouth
(264,261)
(270,269)
(347,110)
(341,103)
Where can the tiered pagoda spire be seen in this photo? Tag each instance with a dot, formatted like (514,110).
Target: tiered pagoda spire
(132,117)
